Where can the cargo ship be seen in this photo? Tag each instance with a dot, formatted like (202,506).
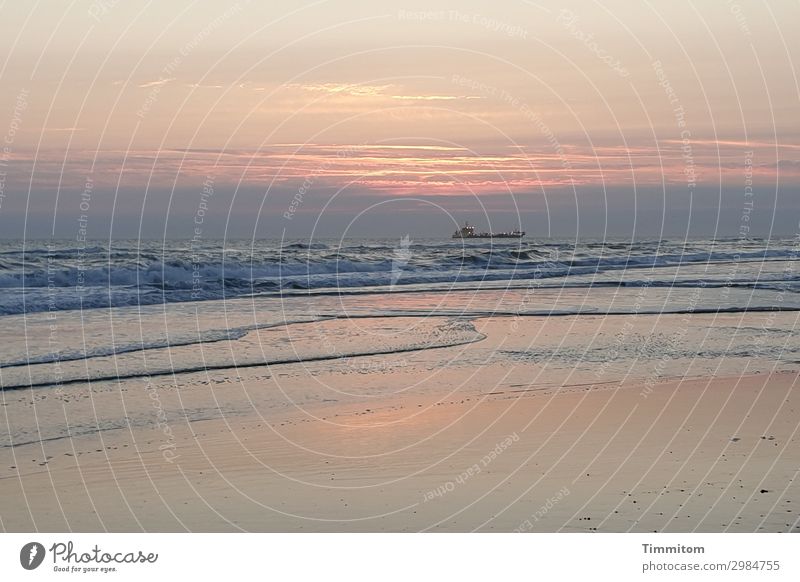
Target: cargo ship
(468,231)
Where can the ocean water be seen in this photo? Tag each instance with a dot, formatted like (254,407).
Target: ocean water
(87,325)
(60,275)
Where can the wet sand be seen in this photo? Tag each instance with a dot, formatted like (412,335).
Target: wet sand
(704,454)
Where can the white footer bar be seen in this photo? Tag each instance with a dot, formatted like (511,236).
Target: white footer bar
(415,557)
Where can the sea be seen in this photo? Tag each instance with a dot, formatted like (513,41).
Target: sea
(85,322)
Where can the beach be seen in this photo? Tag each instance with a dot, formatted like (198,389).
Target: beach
(449,420)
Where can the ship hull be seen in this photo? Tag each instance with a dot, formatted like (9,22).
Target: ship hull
(468,232)
(474,236)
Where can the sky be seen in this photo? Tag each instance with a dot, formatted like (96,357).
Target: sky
(328,119)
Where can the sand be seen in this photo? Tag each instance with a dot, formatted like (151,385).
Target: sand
(697,453)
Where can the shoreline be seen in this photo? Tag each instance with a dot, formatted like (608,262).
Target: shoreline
(620,461)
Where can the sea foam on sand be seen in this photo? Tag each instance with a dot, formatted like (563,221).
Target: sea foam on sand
(447,439)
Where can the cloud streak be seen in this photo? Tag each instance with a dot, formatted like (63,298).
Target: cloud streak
(415,168)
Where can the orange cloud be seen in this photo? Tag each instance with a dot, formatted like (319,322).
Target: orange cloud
(424,168)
